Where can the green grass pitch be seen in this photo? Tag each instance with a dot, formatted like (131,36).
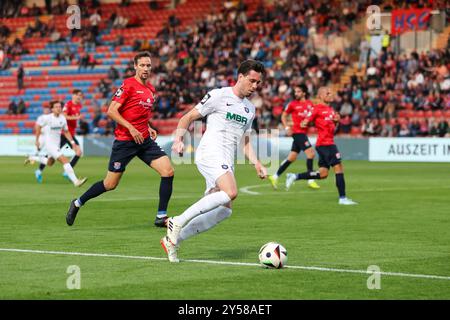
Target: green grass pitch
(401,225)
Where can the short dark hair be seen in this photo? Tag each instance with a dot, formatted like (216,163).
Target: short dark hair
(249,65)
(143,54)
(53,102)
(77,91)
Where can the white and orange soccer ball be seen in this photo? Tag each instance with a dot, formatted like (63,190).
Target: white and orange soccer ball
(273,255)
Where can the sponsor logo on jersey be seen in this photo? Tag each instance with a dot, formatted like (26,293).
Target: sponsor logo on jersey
(137,91)
(236,117)
(246,109)
(146,104)
(224,167)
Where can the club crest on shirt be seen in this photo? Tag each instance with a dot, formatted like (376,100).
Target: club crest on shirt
(119,92)
(117,165)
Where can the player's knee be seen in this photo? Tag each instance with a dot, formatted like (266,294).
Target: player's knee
(323,175)
(167,172)
(232,194)
(110,185)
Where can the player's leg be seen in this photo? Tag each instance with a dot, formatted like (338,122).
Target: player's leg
(70,172)
(195,226)
(78,152)
(42,159)
(292,156)
(110,182)
(205,221)
(340,185)
(121,154)
(322,173)
(228,192)
(153,155)
(310,154)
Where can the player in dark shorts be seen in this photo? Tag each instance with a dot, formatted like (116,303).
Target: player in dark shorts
(131,109)
(299,109)
(325,119)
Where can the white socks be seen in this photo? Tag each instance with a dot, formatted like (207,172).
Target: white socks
(205,204)
(70,173)
(204,222)
(41,159)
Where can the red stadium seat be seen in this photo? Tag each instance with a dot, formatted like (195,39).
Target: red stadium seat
(438,114)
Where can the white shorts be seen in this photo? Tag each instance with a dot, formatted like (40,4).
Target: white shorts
(211,171)
(53,150)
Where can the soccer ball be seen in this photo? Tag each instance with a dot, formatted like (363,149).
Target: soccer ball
(273,255)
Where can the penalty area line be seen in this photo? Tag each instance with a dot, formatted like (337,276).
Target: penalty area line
(230,263)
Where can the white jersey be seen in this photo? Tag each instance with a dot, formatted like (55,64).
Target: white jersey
(44,131)
(229,117)
(51,127)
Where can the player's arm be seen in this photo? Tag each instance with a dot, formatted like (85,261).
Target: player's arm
(308,119)
(153,133)
(113,113)
(249,152)
(69,138)
(73,117)
(38,131)
(284,121)
(182,127)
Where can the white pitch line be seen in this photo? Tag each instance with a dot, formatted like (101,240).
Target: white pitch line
(312,268)
(282,192)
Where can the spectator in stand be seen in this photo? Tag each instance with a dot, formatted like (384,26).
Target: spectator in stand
(120,22)
(12,107)
(21,107)
(5,61)
(113,74)
(404,131)
(95,20)
(20,77)
(83,126)
(104,88)
(442,128)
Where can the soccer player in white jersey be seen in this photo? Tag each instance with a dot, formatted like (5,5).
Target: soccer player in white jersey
(40,147)
(50,127)
(230,115)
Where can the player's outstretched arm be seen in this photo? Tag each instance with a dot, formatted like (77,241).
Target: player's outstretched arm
(284,121)
(70,139)
(251,156)
(183,124)
(153,133)
(113,113)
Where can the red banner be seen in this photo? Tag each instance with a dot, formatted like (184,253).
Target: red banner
(403,20)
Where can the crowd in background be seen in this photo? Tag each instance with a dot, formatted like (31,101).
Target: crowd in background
(190,60)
